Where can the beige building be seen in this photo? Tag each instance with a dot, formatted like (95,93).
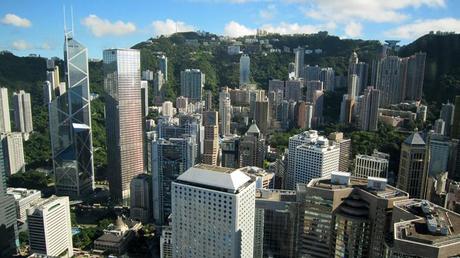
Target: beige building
(211,137)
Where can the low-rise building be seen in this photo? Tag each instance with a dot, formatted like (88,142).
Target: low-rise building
(117,236)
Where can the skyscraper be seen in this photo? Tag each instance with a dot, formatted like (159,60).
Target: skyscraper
(191,84)
(327,76)
(170,158)
(50,230)
(262,115)
(123,119)
(345,149)
(163,64)
(227,231)
(225,112)
(70,125)
(447,115)
(412,172)
(370,166)
(456,121)
(5,122)
(13,151)
(211,137)
(415,76)
(9,240)
(230,148)
(294,141)
(158,88)
(299,62)
(245,69)
(252,147)
(22,107)
(388,81)
(140,206)
(369,109)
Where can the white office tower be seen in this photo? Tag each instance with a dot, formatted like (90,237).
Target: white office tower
(213,213)
(294,141)
(50,230)
(370,166)
(191,84)
(299,62)
(47,93)
(315,159)
(163,65)
(167,109)
(245,69)
(225,112)
(22,107)
(5,122)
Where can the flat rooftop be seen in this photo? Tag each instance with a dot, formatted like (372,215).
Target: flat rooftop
(361,183)
(444,224)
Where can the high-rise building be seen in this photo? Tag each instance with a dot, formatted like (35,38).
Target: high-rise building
(123,119)
(415,75)
(166,242)
(245,69)
(225,112)
(140,205)
(447,115)
(227,231)
(181,104)
(22,107)
(24,199)
(371,166)
(438,150)
(353,90)
(423,229)
(312,73)
(315,159)
(191,84)
(252,147)
(456,121)
(50,230)
(388,81)
(305,137)
(70,125)
(293,90)
(345,149)
(208,100)
(299,62)
(439,126)
(343,216)
(327,76)
(276,230)
(163,65)
(412,173)
(369,109)
(9,237)
(170,158)
(147,75)
(230,149)
(5,122)
(167,109)
(262,115)
(158,88)
(276,85)
(145,98)
(13,151)
(47,93)
(211,137)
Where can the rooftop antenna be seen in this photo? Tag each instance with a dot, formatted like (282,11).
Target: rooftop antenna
(65,25)
(71,17)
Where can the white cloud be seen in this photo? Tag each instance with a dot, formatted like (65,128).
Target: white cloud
(103,27)
(353,29)
(234,29)
(45,46)
(421,27)
(14,20)
(268,13)
(168,27)
(21,45)
(368,10)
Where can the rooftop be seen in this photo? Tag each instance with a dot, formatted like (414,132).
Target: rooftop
(19,193)
(430,223)
(214,176)
(414,139)
(362,183)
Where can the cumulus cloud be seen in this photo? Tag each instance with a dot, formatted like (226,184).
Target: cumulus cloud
(421,27)
(374,11)
(353,29)
(168,27)
(21,45)
(268,13)
(235,29)
(14,20)
(103,27)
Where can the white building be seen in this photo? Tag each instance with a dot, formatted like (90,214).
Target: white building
(50,230)
(245,69)
(22,107)
(370,166)
(25,199)
(5,122)
(294,141)
(315,159)
(225,112)
(213,213)
(166,243)
(14,154)
(167,109)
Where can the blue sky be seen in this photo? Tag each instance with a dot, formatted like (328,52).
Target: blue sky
(31,26)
